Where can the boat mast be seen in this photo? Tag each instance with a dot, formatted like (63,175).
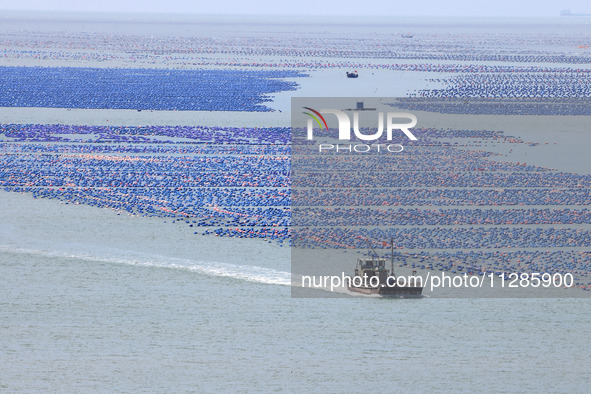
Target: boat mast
(372,249)
(392,256)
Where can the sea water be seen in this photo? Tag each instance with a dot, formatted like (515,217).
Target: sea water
(92,300)
(85,308)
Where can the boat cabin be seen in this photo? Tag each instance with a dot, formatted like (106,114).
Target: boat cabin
(372,267)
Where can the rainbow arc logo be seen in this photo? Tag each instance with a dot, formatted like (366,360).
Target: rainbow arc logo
(318,115)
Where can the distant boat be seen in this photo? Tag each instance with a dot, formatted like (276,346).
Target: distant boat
(369,268)
(352,75)
(384,282)
(406,35)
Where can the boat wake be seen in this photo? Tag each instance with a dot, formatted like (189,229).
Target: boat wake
(243,272)
(211,268)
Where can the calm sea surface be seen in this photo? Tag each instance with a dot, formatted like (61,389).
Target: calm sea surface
(83,308)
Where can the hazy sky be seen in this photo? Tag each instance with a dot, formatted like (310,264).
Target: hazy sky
(313,7)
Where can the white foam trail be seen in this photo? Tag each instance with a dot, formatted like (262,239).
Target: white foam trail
(211,268)
(241,272)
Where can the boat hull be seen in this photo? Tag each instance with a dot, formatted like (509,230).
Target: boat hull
(387,291)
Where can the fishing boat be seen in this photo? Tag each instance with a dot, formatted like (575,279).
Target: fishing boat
(382,284)
(373,278)
(352,75)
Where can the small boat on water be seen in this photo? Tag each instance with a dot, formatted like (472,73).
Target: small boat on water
(406,35)
(373,278)
(382,284)
(352,75)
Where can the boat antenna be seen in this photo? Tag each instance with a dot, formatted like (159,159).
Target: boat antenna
(392,256)
(372,249)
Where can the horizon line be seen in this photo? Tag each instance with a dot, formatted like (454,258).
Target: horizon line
(189,14)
